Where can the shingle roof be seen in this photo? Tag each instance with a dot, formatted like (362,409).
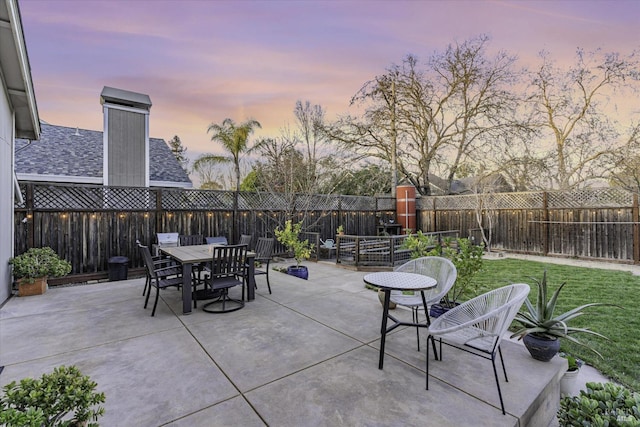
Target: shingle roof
(72,152)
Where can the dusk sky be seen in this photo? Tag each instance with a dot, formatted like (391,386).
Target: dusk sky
(203,61)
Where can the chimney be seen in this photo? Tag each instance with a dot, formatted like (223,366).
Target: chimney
(126,137)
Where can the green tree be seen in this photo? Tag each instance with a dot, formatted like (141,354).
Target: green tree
(250,182)
(179,151)
(235,141)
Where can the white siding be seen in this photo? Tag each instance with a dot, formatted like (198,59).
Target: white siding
(6,194)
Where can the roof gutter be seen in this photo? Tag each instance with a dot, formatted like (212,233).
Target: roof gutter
(27,91)
(17,193)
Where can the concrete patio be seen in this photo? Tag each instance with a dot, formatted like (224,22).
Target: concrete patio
(305,356)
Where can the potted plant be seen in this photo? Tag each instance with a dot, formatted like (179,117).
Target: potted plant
(301,249)
(541,327)
(64,397)
(466,256)
(569,379)
(340,230)
(33,267)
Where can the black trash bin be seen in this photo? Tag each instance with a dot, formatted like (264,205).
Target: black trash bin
(118,268)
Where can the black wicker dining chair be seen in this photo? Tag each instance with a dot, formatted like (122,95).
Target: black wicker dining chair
(162,274)
(264,250)
(226,270)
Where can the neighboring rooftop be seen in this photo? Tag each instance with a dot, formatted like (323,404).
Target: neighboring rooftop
(65,154)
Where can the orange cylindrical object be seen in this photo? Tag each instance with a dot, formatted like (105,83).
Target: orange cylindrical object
(406,206)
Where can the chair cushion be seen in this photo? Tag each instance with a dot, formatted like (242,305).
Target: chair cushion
(167,238)
(218,240)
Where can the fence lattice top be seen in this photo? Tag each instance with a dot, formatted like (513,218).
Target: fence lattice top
(97,198)
(600,198)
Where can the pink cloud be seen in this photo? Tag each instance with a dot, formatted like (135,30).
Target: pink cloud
(203,61)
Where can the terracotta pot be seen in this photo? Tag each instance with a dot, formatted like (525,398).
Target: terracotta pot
(38,287)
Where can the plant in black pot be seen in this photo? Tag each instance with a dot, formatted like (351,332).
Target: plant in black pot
(301,249)
(33,267)
(541,328)
(467,258)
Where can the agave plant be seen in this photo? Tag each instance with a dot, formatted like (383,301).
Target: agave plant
(541,320)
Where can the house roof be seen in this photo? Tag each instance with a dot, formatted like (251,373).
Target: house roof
(65,154)
(15,71)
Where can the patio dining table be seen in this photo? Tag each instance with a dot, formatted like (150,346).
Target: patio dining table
(190,255)
(399,281)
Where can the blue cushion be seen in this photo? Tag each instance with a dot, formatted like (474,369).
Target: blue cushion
(218,240)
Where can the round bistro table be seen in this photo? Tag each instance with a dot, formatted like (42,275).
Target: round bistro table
(389,281)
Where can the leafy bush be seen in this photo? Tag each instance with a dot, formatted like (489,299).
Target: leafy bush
(288,236)
(49,400)
(601,404)
(466,256)
(419,244)
(39,262)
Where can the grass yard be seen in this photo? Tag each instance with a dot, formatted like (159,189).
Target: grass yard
(621,353)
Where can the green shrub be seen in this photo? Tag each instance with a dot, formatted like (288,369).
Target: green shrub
(466,256)
(419,244)
(601,404)
(51,400)
(39,262)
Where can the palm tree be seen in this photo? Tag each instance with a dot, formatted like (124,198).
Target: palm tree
(234,138)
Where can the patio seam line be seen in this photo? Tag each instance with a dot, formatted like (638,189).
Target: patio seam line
(361,345)
(400,328)
(91,346)
(63,310)
(240,393)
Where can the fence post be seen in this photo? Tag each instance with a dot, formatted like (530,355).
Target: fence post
(545,224)
(29,206)
(434,216)
(636,230)
(159,214)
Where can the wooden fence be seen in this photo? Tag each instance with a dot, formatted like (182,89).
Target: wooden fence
(599,224)
(89,224)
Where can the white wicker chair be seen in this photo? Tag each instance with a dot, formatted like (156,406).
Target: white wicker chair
(440,269)
(477,326)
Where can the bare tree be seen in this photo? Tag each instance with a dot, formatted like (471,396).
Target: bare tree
(207,170)
(295,166)
(569,112)
(626,173)
(433,118)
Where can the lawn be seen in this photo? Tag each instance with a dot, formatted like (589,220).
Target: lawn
(621,355)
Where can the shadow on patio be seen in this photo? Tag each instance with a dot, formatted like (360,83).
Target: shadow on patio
(306,355)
